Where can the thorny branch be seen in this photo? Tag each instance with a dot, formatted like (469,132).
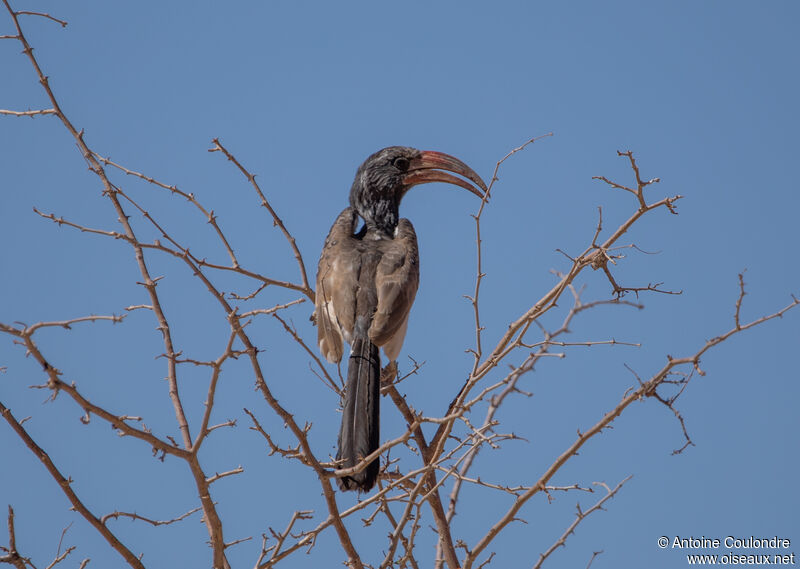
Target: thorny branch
(645,389)
(478,352)
(509,383)
(118,422)
(579,517)
(28,113)
(212,219)
(513,338)
(66,486)
(218,147)
(134,516)
(213,522)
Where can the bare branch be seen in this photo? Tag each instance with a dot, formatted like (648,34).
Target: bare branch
(275,219)
(510,382)
(739,300)
(293,333)
(42,15)
(474,299)
(594,555)
(281,537)
(55,383)
(238,541)
(212,219)
(61,557)
(211,518)
(272,310)
(645,389)
(212,389)
(134,516)
(219,475)
(579,517)
(594,256)
(13,557)
(66,487)
(67,324)
(29,112)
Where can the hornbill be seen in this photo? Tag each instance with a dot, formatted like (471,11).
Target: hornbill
(366,282)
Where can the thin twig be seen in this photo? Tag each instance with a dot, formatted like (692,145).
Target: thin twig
(28,113)
(42,15)
(134,516)
(579,517)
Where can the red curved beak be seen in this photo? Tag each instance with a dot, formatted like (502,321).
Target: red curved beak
(429,165)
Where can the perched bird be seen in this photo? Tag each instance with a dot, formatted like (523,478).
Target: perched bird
(366,282)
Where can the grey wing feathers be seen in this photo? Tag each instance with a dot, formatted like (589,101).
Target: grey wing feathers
(397,280)
(335,290)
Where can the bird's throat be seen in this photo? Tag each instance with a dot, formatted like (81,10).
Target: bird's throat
(380,216)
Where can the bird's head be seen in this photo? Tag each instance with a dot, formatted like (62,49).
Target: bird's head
(384,178)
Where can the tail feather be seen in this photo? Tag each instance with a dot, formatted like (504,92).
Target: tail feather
(360,432)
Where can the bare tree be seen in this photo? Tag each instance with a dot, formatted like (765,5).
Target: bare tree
(426,469)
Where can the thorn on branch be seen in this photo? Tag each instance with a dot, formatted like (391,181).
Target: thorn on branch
(594,554)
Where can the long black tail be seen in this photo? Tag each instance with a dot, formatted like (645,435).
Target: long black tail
(360,432)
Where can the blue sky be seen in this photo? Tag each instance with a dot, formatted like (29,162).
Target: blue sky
(705,94)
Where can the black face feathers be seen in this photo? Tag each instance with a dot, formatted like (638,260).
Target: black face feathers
(378,187)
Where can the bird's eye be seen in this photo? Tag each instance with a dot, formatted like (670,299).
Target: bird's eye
(400,163)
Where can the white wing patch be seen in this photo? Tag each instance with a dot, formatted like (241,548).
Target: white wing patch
(331,328)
